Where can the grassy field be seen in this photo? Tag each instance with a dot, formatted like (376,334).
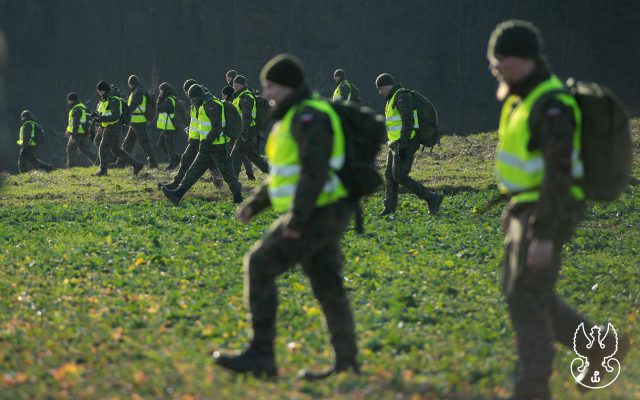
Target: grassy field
(109,291)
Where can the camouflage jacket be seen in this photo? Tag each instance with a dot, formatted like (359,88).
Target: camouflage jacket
(312,130)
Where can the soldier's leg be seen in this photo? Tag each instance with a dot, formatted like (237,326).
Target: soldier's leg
(143,140)
(401,170)
(200,165)
(324,271)
(174,157)
(35,161)
(85,148)
(238,156)
(216,176)
(390,186)
(23,163)
(248,169)
(72,147)
(130,139)
(189,154)
(113,133)
(223,163)
(251,151)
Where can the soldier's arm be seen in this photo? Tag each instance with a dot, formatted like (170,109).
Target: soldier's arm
(136,99)
(214,112)
(552,132)
(259,199)
(405,104)
(344,91)
(76,115)
(114,106)
(312,130)
(246,108)
(26,137)
(164,105)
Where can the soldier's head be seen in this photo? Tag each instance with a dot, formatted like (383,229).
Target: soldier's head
(231,75)
(187,85)
(227,93)
(515,47)
(239,83)
(103,88)
(165,89)
(26,115)
(338,75)
(384,83)
(196,93)
(72,98)
(281,76)
(133,81)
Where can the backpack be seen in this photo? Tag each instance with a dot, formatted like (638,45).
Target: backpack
(181,115)
(39,133)
(263,112)
(364,135)
(427,132)
(150,111)
(233,120)
(125,115)
(355,93)
(606,140)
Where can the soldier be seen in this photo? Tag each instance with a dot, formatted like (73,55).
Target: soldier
(245,146)
(138,101)
(230,76)
(212,150)
(166,123)
(345,90)
(193,143)
(77,130)
(306,152)
(227,95)
(538,166)
(108,117)
(29,139)
(401,119)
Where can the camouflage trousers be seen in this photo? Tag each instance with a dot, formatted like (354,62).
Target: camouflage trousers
(110,145)
(138,133)
(245,151)
(397,173)
(537,314)
(206,159)
(166,141)
(189,154)
(28,156)
(318,251)
(76,142)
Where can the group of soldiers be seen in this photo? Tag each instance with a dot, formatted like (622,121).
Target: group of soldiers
(306,149)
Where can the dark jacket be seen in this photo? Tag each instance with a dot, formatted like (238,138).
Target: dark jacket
(344,88)
(312,130)
(405,104)
(114,106)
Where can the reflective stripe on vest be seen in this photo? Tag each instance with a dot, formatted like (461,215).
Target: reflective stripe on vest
(194,129)
(83,118)
(137,115)
(204,123)
(105,111)
(236,102)
(520,171)
(336,93)
(284,159)
(393,119)
(165,120)
(32,141)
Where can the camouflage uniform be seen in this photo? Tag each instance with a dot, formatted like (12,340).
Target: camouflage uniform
(401,156)
(28,151)
(538,315)
(78,141)
(318,248)
(166,139)
(212,156)
(110,137)
(138,131)
(245,146)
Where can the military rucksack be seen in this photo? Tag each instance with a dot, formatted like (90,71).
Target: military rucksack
(39,133)
(181,115)
(150,111)
(355,93)
(263,112)
(364,135)
(233,120)
(427,133)
(606,140)
(125,115)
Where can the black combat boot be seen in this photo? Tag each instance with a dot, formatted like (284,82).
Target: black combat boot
(102,172)
(237,198)
(173,195)
(342,364)
(257,359)
(434,204)
(137,167)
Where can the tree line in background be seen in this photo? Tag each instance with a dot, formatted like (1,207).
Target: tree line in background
(436,47)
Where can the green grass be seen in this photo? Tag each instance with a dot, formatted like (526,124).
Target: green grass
(108,291)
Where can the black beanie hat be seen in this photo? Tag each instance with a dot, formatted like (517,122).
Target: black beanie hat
(384,80)
(196,91)
(133,80)
(228,90)
(103,86)
(240,80)
(284,69)
(166,87)
(339,73)
(232,73)
(73,96)
(187,84)
(26,114)
(515,38)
